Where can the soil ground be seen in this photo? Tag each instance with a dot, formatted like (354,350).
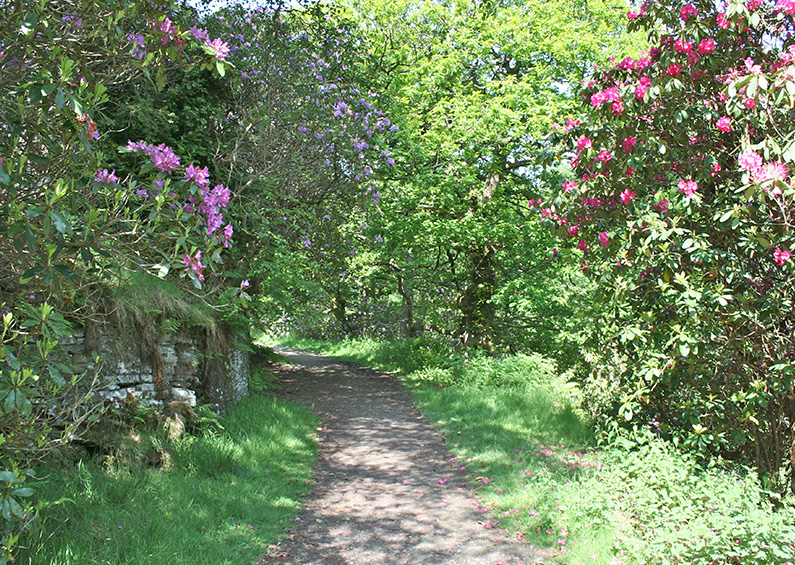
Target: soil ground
(386,489)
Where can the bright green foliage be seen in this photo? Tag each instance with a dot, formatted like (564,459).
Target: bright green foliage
(683,205)
(473,88)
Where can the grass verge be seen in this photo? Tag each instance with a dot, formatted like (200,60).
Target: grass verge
(534,464)
(220,497)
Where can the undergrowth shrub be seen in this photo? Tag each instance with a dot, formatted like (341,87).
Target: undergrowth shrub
(665,507)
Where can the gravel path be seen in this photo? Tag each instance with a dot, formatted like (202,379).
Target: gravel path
(386,489)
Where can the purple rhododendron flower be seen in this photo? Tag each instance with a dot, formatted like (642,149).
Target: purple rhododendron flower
(106,177)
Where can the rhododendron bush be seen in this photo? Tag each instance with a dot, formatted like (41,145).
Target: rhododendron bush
(68,221)
(680,207)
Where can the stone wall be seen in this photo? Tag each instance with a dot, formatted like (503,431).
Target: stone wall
(177,366)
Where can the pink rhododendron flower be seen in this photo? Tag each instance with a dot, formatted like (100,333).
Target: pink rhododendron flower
(629,143)
(781,256)
(682,46)
(787,6)
(604,239)
(643,86)
(629,171)
(628,64)
(750,161)
(627,196)
(604,156)
(724,124)
(569,185)
(583,246)
(689,187)
(754,4)
(583,143)
(574,230)
(662,206)
(749,103)
(771,174)
(752,67)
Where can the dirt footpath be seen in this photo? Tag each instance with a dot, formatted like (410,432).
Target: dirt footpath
(386,489)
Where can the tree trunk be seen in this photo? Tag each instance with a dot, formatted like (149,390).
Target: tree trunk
(477,310)
(339,310)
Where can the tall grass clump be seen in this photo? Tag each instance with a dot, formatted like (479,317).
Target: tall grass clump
(216,495)
(536,466)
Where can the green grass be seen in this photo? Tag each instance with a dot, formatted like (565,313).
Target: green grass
(534,463)
(224,496)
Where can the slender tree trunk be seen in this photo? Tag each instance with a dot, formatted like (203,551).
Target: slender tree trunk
(339,310)
(407,329)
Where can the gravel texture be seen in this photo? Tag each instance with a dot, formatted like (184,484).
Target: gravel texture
(386,489)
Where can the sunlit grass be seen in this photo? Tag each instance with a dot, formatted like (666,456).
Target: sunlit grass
(224,497)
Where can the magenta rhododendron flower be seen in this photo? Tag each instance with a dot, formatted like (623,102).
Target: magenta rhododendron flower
(673,70)
(706,46)
(683,46)
(662,206)
(724,124)
(583,143)
(627,196)
(605,156)
(687,11)
(643,86)
(781,256)
(629,143)
(604,239)
(200,176)
(583,246)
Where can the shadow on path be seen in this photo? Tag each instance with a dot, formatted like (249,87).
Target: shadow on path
(386,489)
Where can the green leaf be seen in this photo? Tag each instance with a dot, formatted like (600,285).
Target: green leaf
(60,99)
(8,476)
(160,78)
